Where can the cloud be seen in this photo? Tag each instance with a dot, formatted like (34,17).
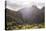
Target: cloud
(14,4)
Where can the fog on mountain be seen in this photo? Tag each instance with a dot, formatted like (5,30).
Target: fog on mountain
(24,16)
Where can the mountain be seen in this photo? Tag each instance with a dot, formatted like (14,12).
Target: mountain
(13,17)
(32,15)
(23,16)
(26,15)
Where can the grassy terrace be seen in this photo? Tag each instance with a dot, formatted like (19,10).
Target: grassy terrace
(27,26)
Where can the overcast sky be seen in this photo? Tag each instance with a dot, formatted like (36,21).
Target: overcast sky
(18,4)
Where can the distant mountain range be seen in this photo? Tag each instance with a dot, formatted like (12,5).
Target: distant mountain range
(25,15)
